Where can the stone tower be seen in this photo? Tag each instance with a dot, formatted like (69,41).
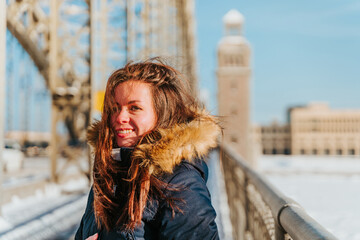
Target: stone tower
(233,75)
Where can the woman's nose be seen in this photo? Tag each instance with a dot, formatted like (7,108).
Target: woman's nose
(123,116)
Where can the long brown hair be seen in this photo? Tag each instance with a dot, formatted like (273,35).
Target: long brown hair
(173,104)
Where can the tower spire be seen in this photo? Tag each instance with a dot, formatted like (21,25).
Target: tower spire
(233,21)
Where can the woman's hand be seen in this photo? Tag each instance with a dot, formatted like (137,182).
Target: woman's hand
(93,237)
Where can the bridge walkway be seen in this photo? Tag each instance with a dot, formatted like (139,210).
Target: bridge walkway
(48,213)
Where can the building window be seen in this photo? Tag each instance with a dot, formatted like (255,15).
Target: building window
(233,139)
(314,151)
(287,151)
(327,151)
(302,151)
(274,151)
(339,151)
(351,151)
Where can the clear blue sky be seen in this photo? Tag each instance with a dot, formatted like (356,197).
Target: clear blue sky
(303,51)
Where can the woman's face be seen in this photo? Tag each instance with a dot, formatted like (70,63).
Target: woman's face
(136,114)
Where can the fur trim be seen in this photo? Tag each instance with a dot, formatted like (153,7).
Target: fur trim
(184,141)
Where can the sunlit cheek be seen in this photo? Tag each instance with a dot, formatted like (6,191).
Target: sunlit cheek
(142,126)
(150,123)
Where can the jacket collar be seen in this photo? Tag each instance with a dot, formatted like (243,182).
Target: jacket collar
(121,154)
(188,141)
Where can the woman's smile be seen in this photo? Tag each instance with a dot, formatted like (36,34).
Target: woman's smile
(123,133)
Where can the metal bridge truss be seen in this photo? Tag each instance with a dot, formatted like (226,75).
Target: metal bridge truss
(75,44)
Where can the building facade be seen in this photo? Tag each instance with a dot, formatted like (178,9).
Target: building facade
(314,130)
(319,130)
(233,75)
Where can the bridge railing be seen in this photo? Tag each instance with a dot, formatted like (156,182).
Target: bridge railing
(259,211)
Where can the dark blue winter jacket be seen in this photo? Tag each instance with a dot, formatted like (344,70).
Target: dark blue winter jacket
(177,159)
(196,222)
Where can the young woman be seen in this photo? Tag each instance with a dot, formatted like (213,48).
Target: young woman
(149,170)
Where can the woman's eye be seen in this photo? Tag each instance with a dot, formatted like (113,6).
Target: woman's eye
(115,109)
(134,108)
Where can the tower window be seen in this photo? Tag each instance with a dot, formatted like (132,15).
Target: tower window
(240,61)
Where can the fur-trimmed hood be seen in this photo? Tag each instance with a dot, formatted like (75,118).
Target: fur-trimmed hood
(184,141)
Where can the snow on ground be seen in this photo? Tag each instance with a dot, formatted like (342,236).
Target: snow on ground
(309,164)
(48,214)
(327,188)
